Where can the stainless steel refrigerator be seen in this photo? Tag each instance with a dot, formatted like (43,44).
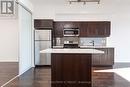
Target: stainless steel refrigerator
(42,41)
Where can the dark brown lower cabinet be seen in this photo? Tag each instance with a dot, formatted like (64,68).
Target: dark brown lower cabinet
(71,70)
(106,59)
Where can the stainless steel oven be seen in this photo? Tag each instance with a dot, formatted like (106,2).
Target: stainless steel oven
(71,32)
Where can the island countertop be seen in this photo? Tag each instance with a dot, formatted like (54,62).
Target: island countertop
(78,51)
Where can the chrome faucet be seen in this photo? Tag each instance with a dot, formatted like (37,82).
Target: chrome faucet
(92,42)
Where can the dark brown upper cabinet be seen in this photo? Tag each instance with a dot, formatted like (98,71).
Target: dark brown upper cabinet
(87,28)
(41,24)
(95,29)
(58,29)
(83,29)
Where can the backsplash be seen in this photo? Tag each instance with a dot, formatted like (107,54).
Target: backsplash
(60,41)
(83,41)
(88,41)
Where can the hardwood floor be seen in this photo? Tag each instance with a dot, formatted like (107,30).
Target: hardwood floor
(108,79)
(41,77)
(8,70)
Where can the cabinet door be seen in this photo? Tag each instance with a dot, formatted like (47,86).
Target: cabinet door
(43,23)
(83,29)
(95,29)
(92,29)
(71,70)
(103,29)
(98,29)
(106,59)
(110,56)
(107,29)
(58,29)
(95,59)
(100,59)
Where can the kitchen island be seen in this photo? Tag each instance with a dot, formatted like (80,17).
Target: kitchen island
(71,67)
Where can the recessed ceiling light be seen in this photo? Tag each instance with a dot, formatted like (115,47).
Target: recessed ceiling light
(84,1)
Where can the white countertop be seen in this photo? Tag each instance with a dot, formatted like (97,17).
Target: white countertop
(80,51)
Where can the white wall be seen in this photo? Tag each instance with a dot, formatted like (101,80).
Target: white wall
(8,40)
(9,36)
(116,11)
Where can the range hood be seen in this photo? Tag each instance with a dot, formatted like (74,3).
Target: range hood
(84,1)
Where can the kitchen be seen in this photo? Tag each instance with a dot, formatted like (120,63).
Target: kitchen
(64,33)
(73,39)
(78,35)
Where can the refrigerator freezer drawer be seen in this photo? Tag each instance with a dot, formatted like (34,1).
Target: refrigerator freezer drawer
(42,58)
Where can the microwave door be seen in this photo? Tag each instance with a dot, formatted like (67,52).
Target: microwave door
(71,32)
(68,33)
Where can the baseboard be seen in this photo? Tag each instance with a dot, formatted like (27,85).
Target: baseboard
(47,66)
(122,62)
(102,66)
(22,72)
(9,61)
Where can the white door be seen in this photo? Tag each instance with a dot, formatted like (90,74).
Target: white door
(25,40)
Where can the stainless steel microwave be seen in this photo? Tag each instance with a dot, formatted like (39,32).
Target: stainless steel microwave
(71,32)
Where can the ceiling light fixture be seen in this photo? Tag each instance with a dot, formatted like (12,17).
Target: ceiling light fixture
(84,1)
